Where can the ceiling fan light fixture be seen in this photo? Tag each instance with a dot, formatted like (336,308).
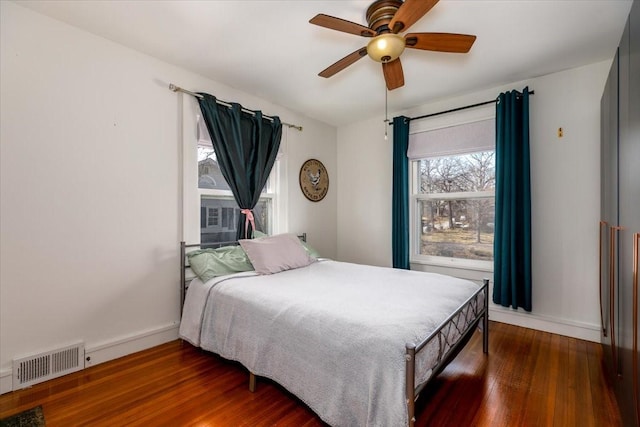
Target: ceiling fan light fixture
(386,47)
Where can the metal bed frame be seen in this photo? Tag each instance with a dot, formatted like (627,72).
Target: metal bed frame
(472,311)
(450,337)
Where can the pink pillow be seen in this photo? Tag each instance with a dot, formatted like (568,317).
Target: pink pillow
(273,254)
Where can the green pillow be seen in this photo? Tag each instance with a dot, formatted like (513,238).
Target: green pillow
(210,263)
(311,251)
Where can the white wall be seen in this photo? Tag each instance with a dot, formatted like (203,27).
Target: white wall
(565,197)
(91,189)
(318,219)
(364,196)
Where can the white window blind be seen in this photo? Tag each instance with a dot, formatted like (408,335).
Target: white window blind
(447,141)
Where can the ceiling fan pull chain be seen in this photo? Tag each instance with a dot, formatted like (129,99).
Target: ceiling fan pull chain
(386,114)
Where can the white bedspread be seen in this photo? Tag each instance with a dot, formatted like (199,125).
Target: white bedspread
(332,333)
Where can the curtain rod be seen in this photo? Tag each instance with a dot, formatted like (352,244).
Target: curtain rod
(493,101)
(226,104)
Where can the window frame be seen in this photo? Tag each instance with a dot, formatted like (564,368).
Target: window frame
(270,195)
(415,198)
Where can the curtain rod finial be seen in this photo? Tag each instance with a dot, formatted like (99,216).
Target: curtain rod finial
(296,127)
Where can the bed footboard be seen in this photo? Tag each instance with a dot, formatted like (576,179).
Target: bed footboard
(470,313)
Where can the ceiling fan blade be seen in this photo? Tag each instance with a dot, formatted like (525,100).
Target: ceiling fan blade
(440,42)
(343,63)
(409,13)
(393,74)
(343,25)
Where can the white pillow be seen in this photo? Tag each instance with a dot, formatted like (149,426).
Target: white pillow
(273,254)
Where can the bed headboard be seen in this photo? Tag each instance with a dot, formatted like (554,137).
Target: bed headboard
(184,266)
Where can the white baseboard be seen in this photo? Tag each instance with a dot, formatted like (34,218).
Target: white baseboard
(553,324)
(6,381)
(112,349)
(580,330)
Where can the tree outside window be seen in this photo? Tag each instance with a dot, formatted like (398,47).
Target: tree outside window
(455,206)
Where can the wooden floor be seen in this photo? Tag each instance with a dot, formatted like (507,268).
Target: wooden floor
(529,378)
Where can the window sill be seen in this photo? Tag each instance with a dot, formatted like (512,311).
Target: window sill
(456,264)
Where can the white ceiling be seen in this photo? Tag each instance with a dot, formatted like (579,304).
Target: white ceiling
(268,48)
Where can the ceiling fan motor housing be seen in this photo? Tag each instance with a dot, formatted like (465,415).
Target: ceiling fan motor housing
(380,13)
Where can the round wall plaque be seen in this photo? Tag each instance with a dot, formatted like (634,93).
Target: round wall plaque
(314,180)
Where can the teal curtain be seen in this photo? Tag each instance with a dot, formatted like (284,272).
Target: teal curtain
(246,147)
(512,239)
(400,197)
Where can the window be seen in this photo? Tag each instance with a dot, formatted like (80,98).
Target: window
(453,187)
(219,212)
(212,217)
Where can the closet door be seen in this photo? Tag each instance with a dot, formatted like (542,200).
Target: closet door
(624,324)
(633,148)
(609,217)
(605,129)
(629,212)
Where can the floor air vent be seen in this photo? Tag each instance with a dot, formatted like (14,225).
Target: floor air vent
(48,365)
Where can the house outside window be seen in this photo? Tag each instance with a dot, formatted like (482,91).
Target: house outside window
(219,211)
(452,195)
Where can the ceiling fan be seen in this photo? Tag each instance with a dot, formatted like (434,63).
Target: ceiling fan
(387,18)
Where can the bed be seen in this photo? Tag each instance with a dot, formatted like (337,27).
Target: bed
(356,343)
